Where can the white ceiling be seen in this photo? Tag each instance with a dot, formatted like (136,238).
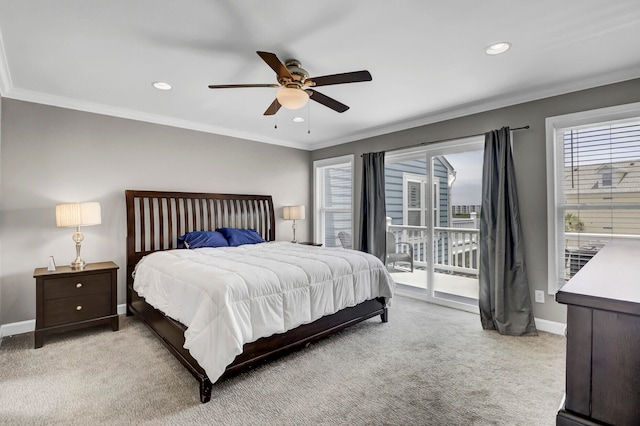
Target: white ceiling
(426,57)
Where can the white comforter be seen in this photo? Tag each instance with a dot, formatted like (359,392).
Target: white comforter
(234,295)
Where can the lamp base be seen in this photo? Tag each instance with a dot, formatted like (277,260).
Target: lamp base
(78,264)
(78,238)
(294,232)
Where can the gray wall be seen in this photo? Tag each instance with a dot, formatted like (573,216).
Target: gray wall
(529,152)
(51,155)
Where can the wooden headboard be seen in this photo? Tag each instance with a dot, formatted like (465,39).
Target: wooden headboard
(156,219)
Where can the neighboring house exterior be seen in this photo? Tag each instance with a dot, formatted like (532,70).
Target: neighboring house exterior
(406,188)
(588,228)
(610,183)
(405,184)
(465,210)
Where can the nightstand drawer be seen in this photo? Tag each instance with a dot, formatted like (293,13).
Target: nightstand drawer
(74,309)
(56,288)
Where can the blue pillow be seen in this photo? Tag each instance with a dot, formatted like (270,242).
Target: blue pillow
(197,239)
(238,237)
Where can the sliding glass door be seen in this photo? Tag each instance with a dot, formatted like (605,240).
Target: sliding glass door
(433,209)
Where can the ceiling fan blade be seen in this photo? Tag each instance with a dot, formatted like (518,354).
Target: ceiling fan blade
(273,108)
(347,77)
(275,63)
(234,86)
(327,101)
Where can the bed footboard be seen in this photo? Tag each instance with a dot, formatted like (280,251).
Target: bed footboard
(171,333)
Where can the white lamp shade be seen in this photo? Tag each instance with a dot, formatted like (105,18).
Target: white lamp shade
(78,214)
(293,212)
(292,98)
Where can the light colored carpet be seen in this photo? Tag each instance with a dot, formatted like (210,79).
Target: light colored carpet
(428,365)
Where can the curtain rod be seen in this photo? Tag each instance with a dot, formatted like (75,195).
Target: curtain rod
(446,140)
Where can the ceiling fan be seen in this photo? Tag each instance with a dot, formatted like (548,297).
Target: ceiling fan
(296,85)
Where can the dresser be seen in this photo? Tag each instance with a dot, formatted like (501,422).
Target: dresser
(69,299)
(603,339)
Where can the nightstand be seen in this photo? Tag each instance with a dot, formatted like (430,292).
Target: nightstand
(69,299)
(309,243)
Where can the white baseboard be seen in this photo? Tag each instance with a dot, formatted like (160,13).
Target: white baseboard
(122,309)
(21,327)
(14,328)
(550,326)
(541,324)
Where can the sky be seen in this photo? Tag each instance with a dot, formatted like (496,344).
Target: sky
(467,188)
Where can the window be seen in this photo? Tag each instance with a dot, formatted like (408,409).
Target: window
(436,201)
(414,201)
(414,190)
(593,182)
(421,185)
(606,179)
(333,195)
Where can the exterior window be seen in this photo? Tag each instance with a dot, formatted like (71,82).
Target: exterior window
(593,175)
(333,195)
(607,179)
(415,200)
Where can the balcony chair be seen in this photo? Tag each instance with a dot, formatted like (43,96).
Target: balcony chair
(345,239)
(394,256)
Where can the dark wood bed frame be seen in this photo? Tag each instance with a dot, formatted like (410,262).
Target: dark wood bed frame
(154,222)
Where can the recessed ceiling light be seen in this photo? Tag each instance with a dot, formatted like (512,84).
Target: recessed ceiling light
(161,85)
(298,119)
(498,48)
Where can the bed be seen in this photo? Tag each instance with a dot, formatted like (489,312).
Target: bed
(156,219)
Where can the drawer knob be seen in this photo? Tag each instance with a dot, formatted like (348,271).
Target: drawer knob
(78,285)
(78,308)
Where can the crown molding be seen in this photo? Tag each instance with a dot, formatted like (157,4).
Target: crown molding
(63,102)
(7,90)
(487,105)
(5,76)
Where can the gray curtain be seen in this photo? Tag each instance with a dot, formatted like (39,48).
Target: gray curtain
(373,214)
(505,302)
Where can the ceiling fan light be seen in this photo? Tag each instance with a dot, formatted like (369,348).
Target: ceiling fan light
(292,98)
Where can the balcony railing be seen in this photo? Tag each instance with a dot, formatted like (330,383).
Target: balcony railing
(454,250)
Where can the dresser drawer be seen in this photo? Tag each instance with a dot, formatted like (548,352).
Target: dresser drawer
(56,288)
(78,308)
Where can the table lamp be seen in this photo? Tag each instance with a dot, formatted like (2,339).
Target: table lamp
(77,215)
(293,213)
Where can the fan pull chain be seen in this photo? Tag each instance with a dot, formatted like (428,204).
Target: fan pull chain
(275,120)
(308,118)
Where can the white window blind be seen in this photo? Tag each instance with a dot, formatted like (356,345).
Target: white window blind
(334,200)
(598,197)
